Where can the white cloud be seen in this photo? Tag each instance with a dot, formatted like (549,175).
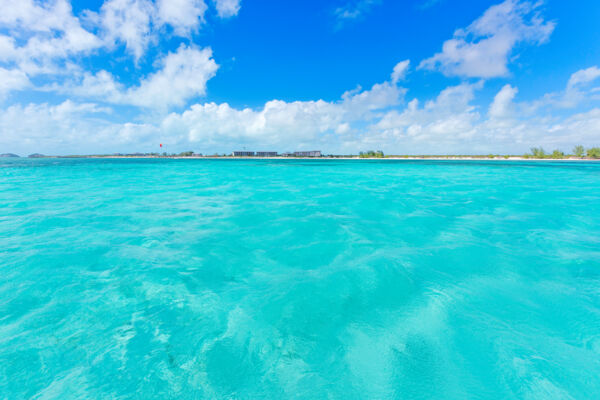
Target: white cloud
(139,23)
(400,71)
(450,115)
(577,91)
(128,21)
(227,8)
(360,104)
(584,76)
(502,105)
(183,15)
(483,49)
(48,32)
(181,76)
(67,127)
(280,122)
(44,40)
(34,16)
(12,79)
(359,120)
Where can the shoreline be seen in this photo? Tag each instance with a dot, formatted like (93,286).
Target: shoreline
(325,158)
(391,158)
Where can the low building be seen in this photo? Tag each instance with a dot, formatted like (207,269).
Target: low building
(266,154)
(314,153)
(287,154)
(243,154)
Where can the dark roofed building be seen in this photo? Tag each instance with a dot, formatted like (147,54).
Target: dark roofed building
(314,153)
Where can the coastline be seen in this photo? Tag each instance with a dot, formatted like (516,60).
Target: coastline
(391,158)
(324,158)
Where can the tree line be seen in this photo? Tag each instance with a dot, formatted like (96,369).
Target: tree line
(371,154)
(578,151)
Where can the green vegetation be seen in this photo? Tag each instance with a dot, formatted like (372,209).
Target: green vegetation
(578,151)
(557,154)
(593,152)
(538,152)
(371,154)
(186,154)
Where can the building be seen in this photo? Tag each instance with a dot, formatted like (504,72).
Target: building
(266,154)
(315,153)
(243,154)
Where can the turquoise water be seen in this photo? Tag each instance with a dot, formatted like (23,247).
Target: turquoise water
(224,279)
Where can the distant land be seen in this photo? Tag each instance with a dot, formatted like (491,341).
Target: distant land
(579,153)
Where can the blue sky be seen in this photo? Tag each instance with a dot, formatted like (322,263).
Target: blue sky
(343,76)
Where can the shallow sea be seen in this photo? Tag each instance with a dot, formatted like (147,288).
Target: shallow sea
(311,279)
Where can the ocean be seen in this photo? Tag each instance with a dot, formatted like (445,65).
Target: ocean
(300,279)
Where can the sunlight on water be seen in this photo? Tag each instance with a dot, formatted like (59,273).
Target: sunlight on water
(279,279)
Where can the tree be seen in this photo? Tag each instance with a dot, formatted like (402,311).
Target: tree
(594,152)
(557,154)
(538,152)
(371,154)
(578,151)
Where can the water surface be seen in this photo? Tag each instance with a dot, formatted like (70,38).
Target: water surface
(235,279)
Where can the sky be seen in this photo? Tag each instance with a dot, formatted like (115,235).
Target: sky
(341,76)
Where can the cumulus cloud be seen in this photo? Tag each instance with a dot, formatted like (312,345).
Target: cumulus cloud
(584,76)
(279,122)
(452,122)
(181,76)
(67,127)
(44,35)
(34,16)
(46,32)
(129,22)
(138,23)
(12,79)
(227,8)
(183,15)
(449,115)
(400,71)
(502,104)
(484,48)
(578,90)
